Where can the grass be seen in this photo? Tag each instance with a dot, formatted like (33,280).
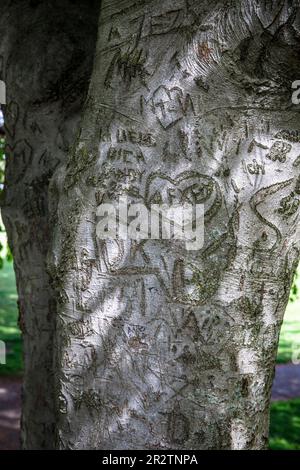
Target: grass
(285,425)
(290,331)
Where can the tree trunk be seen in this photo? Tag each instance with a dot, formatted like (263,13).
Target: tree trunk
(46,56)
(156,346)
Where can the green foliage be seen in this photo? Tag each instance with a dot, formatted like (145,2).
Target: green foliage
(295,288)
(9,331)
(285,425)
(2,158)
(289,334)
(5,252)
(2,163)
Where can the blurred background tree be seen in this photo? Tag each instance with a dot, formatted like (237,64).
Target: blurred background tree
(5,252)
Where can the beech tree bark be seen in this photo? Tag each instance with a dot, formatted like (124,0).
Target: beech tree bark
(46,54)
(157,347)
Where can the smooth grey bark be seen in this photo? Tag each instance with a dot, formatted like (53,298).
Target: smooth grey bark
(158,347)
(46,54)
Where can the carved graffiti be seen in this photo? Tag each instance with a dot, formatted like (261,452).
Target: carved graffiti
(279,151)
(256,200)
(190,187)
(289,205)
(22,153)
(127,65)
(256,168)
(170,105)
(125,155)
(135,137)
(11,118)
(291,136)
